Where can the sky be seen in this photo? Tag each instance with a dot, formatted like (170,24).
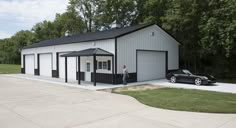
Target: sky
(16,15)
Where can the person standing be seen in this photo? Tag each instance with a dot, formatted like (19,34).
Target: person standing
(125,75)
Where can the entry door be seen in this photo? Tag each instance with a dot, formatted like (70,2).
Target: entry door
(71,68)
(88,71)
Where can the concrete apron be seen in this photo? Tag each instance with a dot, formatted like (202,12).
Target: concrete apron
(29,104)
(218,87)
(60,81)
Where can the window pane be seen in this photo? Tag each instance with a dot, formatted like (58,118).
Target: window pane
(109,65)
(104,65)
(99,65)
(88,67)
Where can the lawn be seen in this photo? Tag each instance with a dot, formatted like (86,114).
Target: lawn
(185,100)
(9,69)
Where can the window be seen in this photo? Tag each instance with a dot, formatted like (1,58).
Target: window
(153,34)
(108,65)
(88,67)
(187,72)
(99,65)
(104,65)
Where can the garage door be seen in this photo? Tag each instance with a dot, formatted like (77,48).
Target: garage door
(29,64)
(151,65)
(71,67)
(45,64)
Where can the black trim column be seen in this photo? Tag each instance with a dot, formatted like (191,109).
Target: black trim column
(37,71)
(23,69)
(66,70)
(57,65)
(78,74)
(113,77)
(115,61)
(94,70)
(167,62)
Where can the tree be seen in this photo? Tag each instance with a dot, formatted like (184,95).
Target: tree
(218,27)
(182,20)
(123,12)
(218,37)
(155,9)
(68,21)
(44,30)
(85,9)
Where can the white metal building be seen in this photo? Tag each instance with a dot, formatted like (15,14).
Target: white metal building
(147,50)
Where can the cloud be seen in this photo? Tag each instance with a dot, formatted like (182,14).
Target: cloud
(23,14)
(4,35)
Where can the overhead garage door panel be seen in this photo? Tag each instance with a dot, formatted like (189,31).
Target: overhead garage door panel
(151,65)
(71,70)
(29,64)
(71,67)
(45,64)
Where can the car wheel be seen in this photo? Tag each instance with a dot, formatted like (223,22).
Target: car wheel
(173,79)
(198,81)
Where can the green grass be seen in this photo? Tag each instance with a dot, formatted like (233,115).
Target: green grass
(9,69)
(186,100)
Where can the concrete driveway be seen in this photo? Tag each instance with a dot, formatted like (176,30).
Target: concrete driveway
(35,104)
(218,87)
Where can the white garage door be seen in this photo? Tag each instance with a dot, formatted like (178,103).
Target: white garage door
(45,62)
(71,67)
(29,64)
(151,65)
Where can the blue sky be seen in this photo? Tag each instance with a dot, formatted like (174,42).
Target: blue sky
(16,15)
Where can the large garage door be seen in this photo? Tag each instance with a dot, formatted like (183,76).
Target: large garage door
(71,67)
(151,65)
(45,67)
(29,64)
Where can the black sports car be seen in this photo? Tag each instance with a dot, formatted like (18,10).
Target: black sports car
(186,76)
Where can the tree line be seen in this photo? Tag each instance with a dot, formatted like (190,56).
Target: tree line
(206,29)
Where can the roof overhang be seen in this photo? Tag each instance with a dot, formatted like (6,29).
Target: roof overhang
(88,52)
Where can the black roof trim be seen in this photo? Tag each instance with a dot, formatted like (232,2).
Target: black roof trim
(88,52)
(93,36)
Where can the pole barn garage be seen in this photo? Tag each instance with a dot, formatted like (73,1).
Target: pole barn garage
(147,50)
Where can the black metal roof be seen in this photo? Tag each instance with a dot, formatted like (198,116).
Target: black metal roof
(88,52)
(92,36)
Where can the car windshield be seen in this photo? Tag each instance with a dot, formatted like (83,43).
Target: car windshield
(187,72)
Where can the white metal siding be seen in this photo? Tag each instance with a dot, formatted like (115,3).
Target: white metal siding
(108,45)
(29,64)
(143,39)
(45,64)
(151,65)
